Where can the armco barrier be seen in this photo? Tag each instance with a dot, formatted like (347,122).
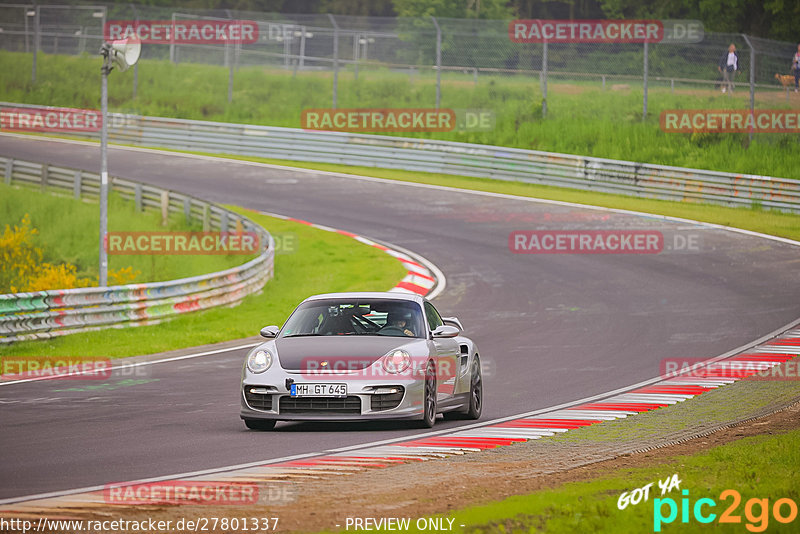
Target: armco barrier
(45,314)
(484,161)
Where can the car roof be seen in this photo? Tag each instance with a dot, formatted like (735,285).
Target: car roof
(413,297)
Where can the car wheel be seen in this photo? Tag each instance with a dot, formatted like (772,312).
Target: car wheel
(429,398)
(475,407)
(260,424)
(475,391)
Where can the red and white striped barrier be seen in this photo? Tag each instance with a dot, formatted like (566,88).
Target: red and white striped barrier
(419,278)
(657,394)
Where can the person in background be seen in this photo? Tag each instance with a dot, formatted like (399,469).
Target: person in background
(796,68)
(729,66)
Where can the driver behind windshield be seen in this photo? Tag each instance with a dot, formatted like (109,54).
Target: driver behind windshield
(399,321)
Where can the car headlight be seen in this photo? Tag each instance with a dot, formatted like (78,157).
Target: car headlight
(397,361)
(259,361)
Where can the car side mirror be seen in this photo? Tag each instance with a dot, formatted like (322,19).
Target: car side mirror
(453,321)
(270,332)
(445,331)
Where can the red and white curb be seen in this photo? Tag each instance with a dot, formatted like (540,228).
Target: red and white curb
(441,444)
(422,278)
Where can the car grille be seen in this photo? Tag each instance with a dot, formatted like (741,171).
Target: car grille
(387,401)
(345,405)
(258,401)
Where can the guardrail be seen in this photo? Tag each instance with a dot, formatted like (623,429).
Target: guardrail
(46,314)
(483,161)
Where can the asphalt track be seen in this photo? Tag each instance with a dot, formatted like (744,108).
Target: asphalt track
(552,327)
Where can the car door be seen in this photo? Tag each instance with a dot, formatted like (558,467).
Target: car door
(447,355)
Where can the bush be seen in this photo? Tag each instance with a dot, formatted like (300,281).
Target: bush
(23,268)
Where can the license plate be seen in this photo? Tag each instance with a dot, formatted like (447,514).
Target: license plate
(318,390)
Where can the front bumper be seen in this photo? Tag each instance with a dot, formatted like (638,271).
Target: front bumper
(365,401)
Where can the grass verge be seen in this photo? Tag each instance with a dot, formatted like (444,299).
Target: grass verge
(68,232)
(582,118)
(592,506)
(322,262)
(754,219)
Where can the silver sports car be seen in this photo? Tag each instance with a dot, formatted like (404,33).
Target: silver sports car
(355,356)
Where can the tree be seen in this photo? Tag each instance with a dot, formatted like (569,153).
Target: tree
(456,9)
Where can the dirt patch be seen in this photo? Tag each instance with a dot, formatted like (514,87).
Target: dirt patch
(436,487)
(439,486)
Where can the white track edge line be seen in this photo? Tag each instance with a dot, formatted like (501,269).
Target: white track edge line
(414,184)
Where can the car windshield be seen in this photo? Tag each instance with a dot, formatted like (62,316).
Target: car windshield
(361,317)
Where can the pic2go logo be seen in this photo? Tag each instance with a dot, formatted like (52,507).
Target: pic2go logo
(756,511)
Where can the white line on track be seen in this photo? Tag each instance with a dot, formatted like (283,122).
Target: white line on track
(414,184)
(135,364)
(389,442)
(744,347)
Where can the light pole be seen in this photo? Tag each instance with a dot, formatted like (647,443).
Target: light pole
(121,54)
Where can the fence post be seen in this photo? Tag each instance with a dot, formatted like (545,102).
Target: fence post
(644,98)
(229,52)
(335,60)
(438,61)
(752,80)
(187,209)
(27,33)
(544,80)
(164,208)
(223,221)
(136,65)
(137,197)
(36,31)
(45,172)
(173,53)
(355,55)
(303,48)
(206,218)
(9,170)
(77,183)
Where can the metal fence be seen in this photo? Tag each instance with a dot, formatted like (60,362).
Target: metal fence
(46,314)
(446,157)
(451,50)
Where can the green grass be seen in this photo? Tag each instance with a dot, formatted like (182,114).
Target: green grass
(582,117)
(68,231)
(756,467)
(757,220)
(322,262)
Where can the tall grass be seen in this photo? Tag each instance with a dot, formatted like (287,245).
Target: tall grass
(582,117)
(69,233)
(321,262)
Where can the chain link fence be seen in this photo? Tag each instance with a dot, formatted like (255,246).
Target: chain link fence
(453,52)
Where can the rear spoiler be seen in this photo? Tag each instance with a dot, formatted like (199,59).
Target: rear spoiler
(453,321)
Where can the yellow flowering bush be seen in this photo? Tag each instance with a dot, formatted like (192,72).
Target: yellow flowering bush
(22,268)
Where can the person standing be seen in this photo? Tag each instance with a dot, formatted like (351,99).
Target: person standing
(729,66)
(796,68)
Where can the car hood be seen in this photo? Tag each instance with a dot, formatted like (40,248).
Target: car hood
(341,353)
